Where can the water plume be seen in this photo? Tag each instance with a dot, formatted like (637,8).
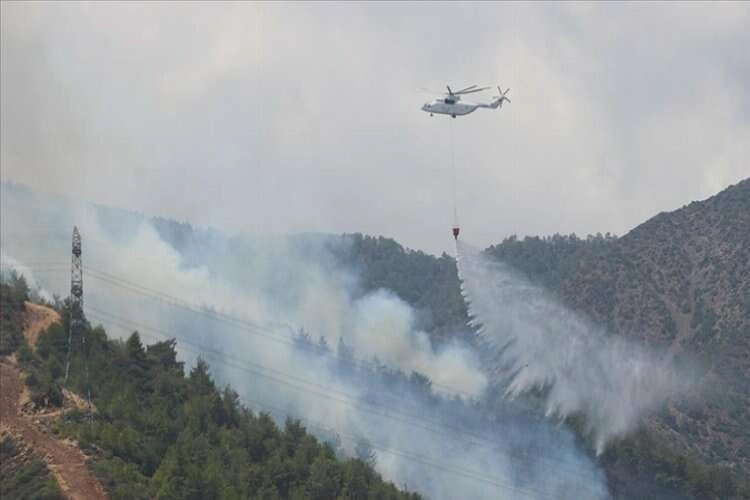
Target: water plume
(539,343)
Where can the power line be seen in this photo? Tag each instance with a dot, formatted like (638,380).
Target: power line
(480,440)
(174,301)
(394,451)
(470,474)
(279,376)
(220,316)
(346,398)
(325,391)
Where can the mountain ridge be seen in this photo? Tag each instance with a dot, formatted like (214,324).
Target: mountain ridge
(678,283)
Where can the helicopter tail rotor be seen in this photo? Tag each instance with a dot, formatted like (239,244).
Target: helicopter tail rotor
(501,97)
(502,94)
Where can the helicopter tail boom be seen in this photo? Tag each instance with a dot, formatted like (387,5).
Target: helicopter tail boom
(497,102)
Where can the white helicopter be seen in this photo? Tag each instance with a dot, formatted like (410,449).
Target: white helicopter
(452,105)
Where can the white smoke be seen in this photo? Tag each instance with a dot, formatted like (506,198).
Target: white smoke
(440,447)
(10,265)
(542,344)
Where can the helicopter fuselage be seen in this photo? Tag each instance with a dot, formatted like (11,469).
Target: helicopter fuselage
(445,107)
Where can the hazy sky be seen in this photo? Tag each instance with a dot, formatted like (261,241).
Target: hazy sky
(306,117)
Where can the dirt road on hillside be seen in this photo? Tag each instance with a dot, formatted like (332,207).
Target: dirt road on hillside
(64,459)
(36,320)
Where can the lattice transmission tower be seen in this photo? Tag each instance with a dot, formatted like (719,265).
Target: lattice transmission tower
(76,324)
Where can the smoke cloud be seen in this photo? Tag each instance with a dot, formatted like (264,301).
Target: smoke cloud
(241,303)
(542,344)
(9,265)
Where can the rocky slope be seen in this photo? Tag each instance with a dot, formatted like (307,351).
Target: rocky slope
(680,283)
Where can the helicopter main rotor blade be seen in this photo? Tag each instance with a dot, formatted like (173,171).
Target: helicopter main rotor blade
(471,91)
(464,90)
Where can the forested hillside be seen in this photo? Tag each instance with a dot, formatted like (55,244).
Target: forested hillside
(23,474)
(12,297)
(427,283)
(157,433)
(680,283)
